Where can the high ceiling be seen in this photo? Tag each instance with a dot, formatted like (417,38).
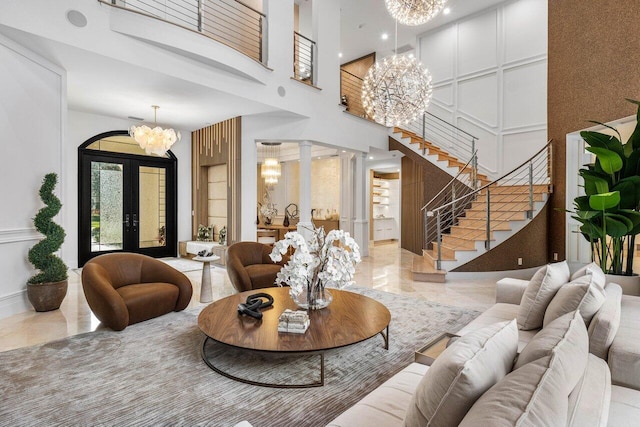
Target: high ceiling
(364,21)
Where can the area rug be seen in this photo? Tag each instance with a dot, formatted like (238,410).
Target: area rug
(152,373)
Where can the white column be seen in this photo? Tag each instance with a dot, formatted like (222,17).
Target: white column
(346,193)
(361,223)
(305,224)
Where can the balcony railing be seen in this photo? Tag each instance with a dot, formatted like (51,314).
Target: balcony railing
(303,58)
(230,22)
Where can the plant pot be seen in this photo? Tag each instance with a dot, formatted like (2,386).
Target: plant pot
(46,296)
(630,284)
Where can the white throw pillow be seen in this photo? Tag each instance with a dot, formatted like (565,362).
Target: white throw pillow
(540,291)
(584,294)
(593,269)
(536,394)
(461,374)
(605,323)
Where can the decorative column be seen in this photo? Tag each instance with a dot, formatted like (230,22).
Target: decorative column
(361,222)
(346,192)
(305,224)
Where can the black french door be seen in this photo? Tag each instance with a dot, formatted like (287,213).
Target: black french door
(127,203)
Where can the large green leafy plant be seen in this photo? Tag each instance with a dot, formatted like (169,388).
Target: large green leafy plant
(609,210)
(41,255)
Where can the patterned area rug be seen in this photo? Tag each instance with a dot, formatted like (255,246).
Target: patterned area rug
(152,374)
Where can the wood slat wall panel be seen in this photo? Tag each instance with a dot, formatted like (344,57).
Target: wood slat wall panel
(215,145)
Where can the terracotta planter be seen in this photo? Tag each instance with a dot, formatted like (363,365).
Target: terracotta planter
(46,296)
(630,284)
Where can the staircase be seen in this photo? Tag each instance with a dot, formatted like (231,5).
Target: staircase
(467,226)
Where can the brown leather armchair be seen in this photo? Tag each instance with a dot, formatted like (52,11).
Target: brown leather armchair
(126,288)
(249,266)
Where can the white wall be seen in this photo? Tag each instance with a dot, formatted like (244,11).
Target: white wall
(490,79)
(32,129)
(83,126)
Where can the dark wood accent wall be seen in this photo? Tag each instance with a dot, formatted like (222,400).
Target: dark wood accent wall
(593,66)
(420,181)
(215,145)
(525,244)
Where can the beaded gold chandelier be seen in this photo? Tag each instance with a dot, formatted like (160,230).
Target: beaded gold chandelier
(414,12)
(396,90)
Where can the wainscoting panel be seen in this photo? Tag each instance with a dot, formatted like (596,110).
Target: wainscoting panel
(494,83)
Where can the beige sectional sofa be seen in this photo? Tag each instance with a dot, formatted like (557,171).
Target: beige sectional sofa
(607,394)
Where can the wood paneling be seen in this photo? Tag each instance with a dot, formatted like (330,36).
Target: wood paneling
(210,146)
(593,67)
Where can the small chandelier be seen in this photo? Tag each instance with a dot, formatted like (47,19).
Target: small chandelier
(414,12)
(271,169)
(157,140)
(396,91)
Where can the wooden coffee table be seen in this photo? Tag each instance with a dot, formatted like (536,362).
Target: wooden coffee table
(349,319)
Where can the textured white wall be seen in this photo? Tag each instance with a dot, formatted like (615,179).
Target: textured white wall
(32,127)
(490,79)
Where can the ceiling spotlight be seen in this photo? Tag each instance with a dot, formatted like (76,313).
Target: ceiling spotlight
(340,55)
(384,36)
(370,157)
(446,11)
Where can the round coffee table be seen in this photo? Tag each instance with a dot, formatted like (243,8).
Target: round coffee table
(349,319)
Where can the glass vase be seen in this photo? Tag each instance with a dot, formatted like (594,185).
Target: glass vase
(317,299)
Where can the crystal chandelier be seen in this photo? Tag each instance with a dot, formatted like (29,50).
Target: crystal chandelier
(414,12)
(271,168)
(396,91)
(157,140)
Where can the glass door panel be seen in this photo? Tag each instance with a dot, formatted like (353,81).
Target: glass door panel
(152,206)
(107,206)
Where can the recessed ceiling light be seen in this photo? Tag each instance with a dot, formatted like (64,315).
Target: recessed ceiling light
(370,157)
(384,36)
(446,11)
(344,151)
(340,55)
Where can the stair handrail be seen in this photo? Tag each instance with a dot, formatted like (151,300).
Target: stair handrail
(496,180)
(447,214)
(450,183)
(451,124)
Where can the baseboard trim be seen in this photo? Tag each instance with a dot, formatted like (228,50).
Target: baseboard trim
(14,303)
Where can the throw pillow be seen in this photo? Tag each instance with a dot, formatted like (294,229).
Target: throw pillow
(605,323)
(566,330)
(461,374)
(539,293)
(536,393)
(583,293)
(593,269)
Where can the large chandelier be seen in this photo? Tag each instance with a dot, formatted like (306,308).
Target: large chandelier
(414,12)
(157,140)
(396,91)
(271,169)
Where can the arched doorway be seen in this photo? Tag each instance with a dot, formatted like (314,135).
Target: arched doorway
(126,198)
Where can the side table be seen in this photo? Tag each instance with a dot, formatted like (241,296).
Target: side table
(427,354)
(206,292)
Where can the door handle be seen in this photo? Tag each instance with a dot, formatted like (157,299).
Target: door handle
(135,222)
(126,221)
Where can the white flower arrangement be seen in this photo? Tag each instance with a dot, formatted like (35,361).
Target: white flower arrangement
(268,210)
(318,263)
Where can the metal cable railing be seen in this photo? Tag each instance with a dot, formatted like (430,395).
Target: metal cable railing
(457,224)
(303,58)
(351,93)
(230,22)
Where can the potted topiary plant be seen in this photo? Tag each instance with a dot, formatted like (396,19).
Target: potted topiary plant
(47,289)
(609,210)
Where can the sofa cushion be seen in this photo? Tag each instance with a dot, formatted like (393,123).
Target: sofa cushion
(594,269)
(540,291)
(625,407)
(263,275)
(605,323)
(582,293)
(624,353)
(145,301)
(536,393)
(566,330)
(386,405)
(590,399)
(461,374)
(498,313)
